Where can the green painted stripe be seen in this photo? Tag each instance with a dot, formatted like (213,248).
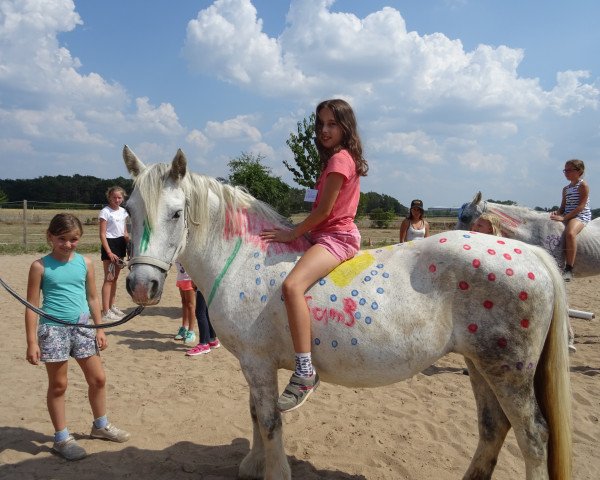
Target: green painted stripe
(228,263)
(145,237)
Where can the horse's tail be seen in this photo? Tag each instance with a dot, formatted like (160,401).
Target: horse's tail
(552,381)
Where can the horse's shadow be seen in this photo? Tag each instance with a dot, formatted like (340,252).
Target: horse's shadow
(179,461)
(144,340)
(586,370)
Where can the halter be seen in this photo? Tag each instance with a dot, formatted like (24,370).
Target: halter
(161,264)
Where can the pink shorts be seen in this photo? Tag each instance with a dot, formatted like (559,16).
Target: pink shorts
(342,245)
(185,285)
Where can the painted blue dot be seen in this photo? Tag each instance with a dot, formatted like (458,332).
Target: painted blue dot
(466,235)
(373,272)
(242,295)
(258,281)
(272,282)
(354,341)
(357,315)
(380,265)
(379,250)
(282,274)
(256,254)
(354,293)
(322,282)
(334,344)
(263,298)
(333,298)
(374,306)
(368,320)
(362,301)
(386,275)
(380,290)
(317,341)
(282,299)
(367,279)
(257,267)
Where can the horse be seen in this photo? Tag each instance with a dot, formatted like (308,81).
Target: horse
(536,228)
(378,318)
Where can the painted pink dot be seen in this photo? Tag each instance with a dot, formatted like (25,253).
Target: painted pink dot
(432,268)
(491,252)
(531,275)
(463,285)
(523,296)
(502,342)
(491,277)
(518,251)
(507,256)
(443,240)
(467,247)
(472,327)
(488,304)
(525,323)
(476,263)
(501,242)
(510,272)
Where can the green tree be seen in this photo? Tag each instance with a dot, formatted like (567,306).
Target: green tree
(381,218)
(305,154)
(3,197)
(502,202)
(248,171)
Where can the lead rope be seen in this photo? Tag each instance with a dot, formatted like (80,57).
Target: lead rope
(41,313)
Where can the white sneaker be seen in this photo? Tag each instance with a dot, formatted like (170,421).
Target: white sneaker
(117,311)
(110,316)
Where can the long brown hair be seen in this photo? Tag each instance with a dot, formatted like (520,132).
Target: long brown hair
(344,116)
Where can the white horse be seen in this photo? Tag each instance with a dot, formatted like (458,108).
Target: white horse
(377,319)
(536,228)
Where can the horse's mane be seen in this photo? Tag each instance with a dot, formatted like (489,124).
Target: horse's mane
(231,201)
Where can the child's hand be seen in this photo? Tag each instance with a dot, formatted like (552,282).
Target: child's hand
(101,339)
(277,235)
(33,354)
(556,217)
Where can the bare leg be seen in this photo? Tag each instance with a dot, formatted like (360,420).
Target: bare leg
(107,288)
(573,227)
(55,398)
(96,380)
(314,264)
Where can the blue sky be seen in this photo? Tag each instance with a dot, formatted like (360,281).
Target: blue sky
(451,96)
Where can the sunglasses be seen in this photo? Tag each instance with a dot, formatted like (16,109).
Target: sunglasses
(570,170)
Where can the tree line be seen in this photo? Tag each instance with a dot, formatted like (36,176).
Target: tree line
(247,170)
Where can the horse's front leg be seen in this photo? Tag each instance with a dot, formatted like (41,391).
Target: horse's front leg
(266,458)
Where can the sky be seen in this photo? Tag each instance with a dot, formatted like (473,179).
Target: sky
(451,96)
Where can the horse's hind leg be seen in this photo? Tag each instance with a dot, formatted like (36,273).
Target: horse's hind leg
(517,397)
(266,458)
(493,427)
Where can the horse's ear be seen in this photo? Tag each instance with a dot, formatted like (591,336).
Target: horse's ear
(178,166)
(133,164)
(476,199)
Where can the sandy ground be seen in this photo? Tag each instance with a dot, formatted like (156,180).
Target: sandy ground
(189,419)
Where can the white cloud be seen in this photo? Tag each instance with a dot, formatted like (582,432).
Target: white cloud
(238,129)
(479,161)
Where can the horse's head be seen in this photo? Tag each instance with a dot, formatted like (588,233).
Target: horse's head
(158,231)
(469,212)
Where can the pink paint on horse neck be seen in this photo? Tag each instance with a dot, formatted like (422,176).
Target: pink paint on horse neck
(248,226)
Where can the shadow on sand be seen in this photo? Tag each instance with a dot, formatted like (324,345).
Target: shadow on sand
(183,460)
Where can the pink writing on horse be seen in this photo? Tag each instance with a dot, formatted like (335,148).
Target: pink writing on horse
(326,314)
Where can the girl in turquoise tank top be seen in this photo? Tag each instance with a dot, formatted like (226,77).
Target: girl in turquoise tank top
(67,283)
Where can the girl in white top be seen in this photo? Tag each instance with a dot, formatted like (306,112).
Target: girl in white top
(414,226)
(114,238)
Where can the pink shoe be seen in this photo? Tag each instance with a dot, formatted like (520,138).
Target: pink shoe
(214,344)
(200,349)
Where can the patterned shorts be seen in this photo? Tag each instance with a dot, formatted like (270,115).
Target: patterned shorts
(58,343)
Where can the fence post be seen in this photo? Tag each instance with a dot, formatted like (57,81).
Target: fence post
(25,225)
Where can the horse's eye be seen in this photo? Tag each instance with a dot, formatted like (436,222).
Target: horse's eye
(177,214)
